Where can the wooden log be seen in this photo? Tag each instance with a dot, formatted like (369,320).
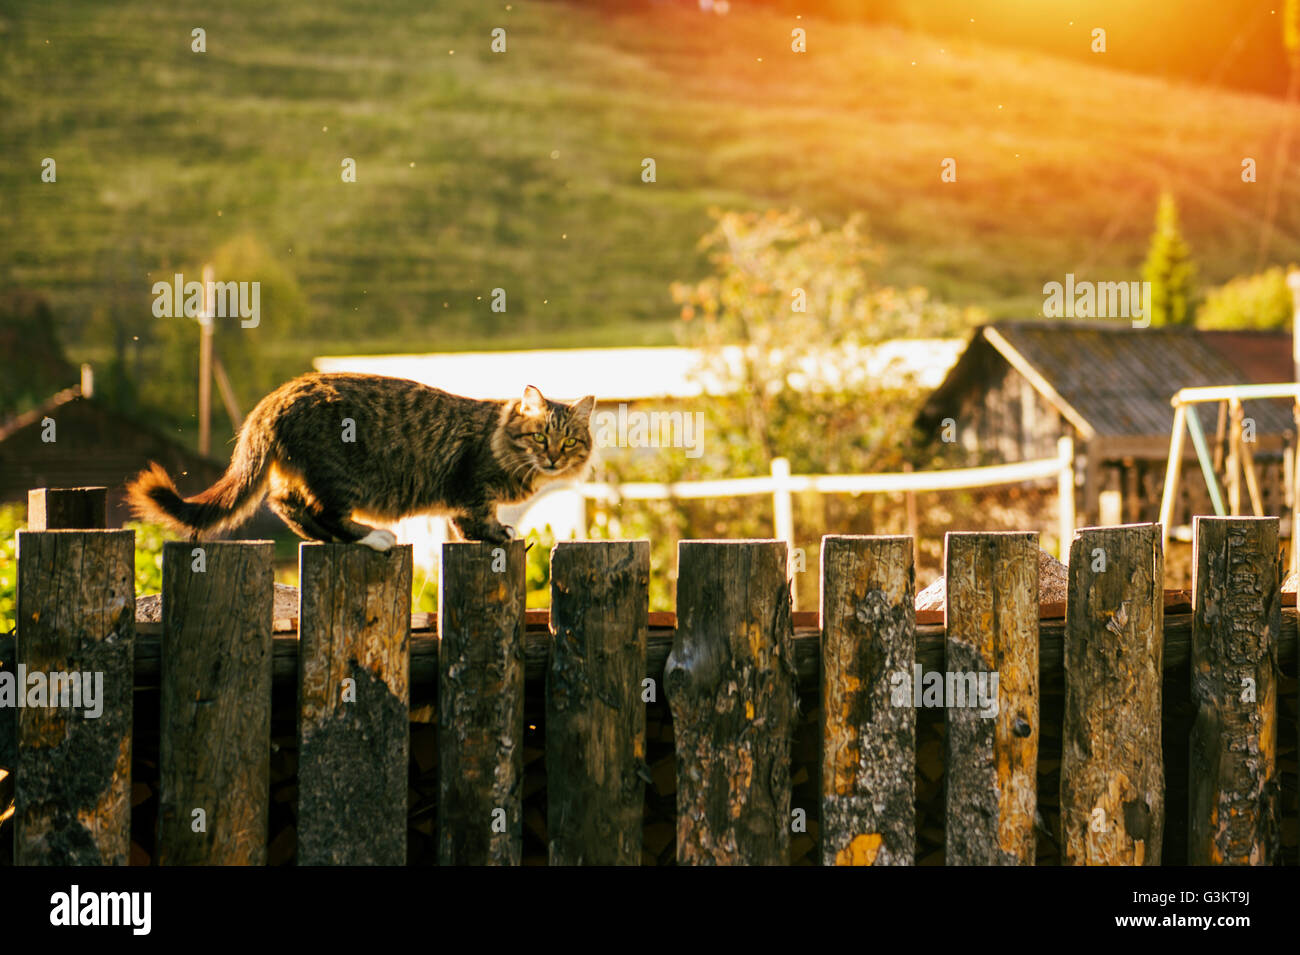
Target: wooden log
(353,699)
(481,704)
(1112,770)
(869,753)
(595,709)
(993,728)
(807,650)
(48,509)
(76,630)
(215,724)
(67,508)
(730,682)
(1234,787)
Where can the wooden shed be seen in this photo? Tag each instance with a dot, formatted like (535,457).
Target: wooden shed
(1019,386)
(92,445)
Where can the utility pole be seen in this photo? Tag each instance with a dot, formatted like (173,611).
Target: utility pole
(205,363)
(1293,281)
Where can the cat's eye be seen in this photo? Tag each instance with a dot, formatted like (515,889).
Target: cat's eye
(570,442)
(539,437)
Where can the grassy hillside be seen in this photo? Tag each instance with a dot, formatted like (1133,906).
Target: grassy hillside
(522,170)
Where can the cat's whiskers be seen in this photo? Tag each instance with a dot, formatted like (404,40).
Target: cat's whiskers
(519,473)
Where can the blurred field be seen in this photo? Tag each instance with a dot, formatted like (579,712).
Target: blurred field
(522,170)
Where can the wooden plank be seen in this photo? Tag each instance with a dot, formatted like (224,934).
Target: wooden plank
(1112,771)
(1173,470)
(992,663)
(1233,479)
(215,724)
(67,508)
(481,704)
(353,700)
(539,620)
(76,616)
(730,682)
(869,750)
(1234,783)
(930,638)
(595,713)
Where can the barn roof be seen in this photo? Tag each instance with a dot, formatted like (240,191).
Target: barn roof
(96,446)
(1114,380)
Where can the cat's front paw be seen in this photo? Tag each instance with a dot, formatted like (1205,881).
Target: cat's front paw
(379,539)
(501,534)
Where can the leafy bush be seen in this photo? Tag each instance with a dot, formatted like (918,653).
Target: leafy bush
(1261,301)
(801,302)
(537,576)
(13,518)
(149,541)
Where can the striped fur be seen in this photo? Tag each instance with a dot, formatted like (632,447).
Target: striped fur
(326,448)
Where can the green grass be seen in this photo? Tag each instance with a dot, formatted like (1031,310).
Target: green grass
(522,170)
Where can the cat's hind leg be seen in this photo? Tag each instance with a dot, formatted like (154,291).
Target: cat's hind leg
(345,529)
(313,522)
(292,508)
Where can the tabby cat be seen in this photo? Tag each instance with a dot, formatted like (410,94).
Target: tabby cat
(330,447)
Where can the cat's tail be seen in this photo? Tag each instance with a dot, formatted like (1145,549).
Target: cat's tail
(228,503)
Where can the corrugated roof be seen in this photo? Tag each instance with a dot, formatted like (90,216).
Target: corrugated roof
(1119,379)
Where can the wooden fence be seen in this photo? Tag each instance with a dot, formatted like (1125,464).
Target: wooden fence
(732,678)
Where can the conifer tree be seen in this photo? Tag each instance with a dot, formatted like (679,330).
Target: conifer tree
(1169,269)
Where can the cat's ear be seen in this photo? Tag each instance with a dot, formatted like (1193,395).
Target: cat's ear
(533,403)
(582,407)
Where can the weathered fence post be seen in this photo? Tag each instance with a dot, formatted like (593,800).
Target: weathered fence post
(67,508)
(48,509)
(481,703)
(1112,770)
(1237,623)
(595,710)
(991,658)
(730,680)
(869,754)
(215,727)
(353,698)
(75,656)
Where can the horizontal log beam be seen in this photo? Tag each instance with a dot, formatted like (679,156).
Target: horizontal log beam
(1176,602)
(424,650)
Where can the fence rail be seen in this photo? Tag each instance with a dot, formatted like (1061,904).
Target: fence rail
(782,486)
(738,662)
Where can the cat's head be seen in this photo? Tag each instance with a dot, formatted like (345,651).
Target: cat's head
(553,438)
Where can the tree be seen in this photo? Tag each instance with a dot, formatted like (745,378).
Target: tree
(170,381)
(1251,301)
(32,363)
(800,301)
(784,322)
(1169,269)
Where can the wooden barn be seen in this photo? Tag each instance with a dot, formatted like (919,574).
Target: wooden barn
(93,446)
(1019,386)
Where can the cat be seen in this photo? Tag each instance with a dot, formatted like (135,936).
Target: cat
(327,447)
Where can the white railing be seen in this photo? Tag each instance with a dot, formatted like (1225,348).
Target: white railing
(782,485)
